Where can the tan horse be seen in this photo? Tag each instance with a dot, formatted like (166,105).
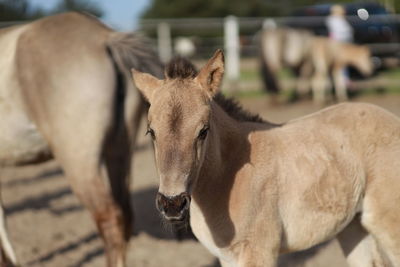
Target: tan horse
(329,58)
(312,57)
(285,47)
(66,91)
(256,190)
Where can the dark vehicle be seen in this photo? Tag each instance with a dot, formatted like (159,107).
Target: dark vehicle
(372,24)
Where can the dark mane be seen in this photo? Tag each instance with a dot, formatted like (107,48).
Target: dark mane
(181,68)
(235,110)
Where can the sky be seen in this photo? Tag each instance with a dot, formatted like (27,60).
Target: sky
(122,15)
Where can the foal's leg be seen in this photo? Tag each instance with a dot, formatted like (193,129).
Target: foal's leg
(359,248)
(225,263)
(381,212)
(260,251)
(8,257)
(262,244)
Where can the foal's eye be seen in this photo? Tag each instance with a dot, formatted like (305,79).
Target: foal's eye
(151,132)
(203,133)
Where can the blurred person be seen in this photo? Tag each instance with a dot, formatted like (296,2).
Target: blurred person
(338,27)
(340,30)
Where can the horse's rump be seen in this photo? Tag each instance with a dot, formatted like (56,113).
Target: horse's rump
(66,84)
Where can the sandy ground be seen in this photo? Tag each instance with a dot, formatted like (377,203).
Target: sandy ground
(49,227)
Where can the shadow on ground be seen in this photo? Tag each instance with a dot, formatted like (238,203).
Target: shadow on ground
(147,220)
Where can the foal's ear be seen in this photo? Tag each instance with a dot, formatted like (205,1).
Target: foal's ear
(146,83)
(210,76)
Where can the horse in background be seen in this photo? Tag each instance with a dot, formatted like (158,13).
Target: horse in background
(312,58)
(66,92)
(284,47)
(329,58)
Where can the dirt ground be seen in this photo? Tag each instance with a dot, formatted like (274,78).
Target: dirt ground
(49,227)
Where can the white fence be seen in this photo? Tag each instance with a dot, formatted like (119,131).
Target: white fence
(238,36)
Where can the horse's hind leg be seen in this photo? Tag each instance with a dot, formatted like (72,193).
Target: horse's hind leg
(319,81)
(89,181)
(381,209)
(339,78)
(8,257)
(98,174)
(303,85)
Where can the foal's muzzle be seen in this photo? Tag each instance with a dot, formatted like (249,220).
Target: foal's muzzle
(175,208)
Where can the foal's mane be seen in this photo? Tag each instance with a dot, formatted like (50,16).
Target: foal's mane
(181,68)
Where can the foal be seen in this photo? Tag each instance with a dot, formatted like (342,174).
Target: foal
(256,190)
(332,57)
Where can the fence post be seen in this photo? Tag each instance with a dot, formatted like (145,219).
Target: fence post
(231,36)
(164,41)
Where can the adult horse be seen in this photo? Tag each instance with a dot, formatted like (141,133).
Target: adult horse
(312,58)
(65,92)
(329,58)
(255,190)
(285,47)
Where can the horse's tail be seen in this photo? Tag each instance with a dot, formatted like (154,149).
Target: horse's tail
(127,51)
(271,84)
(132,50)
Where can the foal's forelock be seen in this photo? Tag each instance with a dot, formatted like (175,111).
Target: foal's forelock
(180,68)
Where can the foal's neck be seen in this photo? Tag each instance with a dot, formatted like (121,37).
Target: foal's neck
(221,176)
(227,151)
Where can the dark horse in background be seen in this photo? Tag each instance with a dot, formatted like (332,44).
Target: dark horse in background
(66,92)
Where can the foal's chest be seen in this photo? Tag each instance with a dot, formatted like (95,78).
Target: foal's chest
(204,234)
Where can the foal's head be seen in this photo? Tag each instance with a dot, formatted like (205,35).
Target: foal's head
(179,122)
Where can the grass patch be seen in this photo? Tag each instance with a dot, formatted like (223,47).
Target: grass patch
(249,75)
(391,74)
(254,74)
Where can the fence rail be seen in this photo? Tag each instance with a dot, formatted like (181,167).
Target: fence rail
(238,36)
(242,41)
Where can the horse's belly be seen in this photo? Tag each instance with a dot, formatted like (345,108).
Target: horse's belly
(20,141)
(315,230)
(322,208)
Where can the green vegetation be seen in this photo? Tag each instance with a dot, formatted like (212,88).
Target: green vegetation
(387,82)
(392,74)
(240,8)
(206,8)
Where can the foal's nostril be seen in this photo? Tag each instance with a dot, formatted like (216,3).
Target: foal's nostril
(161,202)
(173,206)
(185,202)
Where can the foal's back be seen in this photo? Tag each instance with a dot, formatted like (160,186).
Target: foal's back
(332,165)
